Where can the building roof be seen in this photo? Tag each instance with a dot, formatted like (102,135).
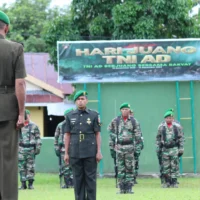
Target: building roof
(37,65)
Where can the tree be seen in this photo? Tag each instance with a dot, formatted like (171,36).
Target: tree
(94,17)
(59,29)
(134,19)
(27,22)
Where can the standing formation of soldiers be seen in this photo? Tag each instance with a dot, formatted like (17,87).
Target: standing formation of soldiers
(126,142)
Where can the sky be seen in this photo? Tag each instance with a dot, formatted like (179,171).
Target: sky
(60,3)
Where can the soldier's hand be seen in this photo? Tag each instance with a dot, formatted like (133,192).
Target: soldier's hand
(66,158)
(99,156)
(20,122)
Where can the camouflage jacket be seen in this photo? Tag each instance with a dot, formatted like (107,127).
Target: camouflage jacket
(140,143)
(59,137)
(170,136)
(30,135)
(126,132)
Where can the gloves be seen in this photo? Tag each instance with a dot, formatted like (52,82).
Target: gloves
(113,153)
(37,151)
(57,152)
(180,152)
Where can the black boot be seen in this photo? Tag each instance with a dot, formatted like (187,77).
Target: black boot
(174,183)
(23,186)
(71,182)
(66,185)
(129,188)
(30,184)
(166,183)
(121,188)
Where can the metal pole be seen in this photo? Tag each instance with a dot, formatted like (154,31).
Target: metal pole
(100,114)
(193,127)
(179,117)
(85,86)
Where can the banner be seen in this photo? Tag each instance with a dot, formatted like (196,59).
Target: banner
(128,61)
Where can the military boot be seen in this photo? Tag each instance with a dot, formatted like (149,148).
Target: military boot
(129,188)
(121,188)
(30,184)
(174,183)
(23,186)
(66,185)
(166,183)
(71,182)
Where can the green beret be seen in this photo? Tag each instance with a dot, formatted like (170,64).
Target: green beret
(80,93)
(4,18)
(125,105)
(28,112)
(170,109)
(168,114)
(67,111)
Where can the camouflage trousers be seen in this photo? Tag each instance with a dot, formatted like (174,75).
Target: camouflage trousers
(26,163)
(125,163)
(170,163)
(136,168)
(66,169)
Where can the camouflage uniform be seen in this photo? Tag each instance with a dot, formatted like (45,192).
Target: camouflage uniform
(59,147)
(29,146)
(124,144)
(169,144)
(138,148)
(159,155)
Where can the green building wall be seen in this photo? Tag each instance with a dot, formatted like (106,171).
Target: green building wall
(149,102)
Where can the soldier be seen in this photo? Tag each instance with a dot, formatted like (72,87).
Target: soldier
(169,144)
(160,152)
(29,146)
(138,148)
(12,95)
(123,137)
(83,147)
(59,147)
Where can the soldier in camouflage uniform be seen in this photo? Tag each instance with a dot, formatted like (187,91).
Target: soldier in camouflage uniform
(138,148)
(159,153)
(169,144)
(59,147)
(123,137)
(29,146)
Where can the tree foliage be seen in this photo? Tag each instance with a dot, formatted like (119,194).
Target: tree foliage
(59,29)
(134,19)
(28,18)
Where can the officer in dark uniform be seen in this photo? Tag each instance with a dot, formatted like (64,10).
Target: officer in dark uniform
(12,99)
(83,147)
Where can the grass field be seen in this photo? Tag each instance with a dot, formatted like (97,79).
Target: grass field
(47,188)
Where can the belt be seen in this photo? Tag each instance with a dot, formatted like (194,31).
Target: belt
(168,146)
(27,145)
(125,142)
(7,89)
(82,136)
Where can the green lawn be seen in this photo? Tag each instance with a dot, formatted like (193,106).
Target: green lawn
(47,188)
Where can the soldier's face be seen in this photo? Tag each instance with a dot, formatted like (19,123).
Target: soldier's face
(81,102)
(169,119)
(125,112)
